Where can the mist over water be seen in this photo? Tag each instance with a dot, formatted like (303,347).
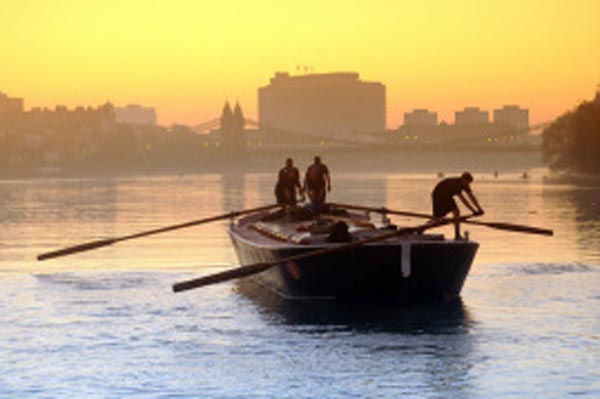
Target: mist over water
(105,323)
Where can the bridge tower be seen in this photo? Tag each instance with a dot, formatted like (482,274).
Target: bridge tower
(232,130)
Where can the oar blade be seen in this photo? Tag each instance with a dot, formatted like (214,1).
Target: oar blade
(77,248)
(226,275)
(514,227)
(524,229)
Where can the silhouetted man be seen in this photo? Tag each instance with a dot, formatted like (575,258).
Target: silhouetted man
(443,199)
(316,181)
(287,183)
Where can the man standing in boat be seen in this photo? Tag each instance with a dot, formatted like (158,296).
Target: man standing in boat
(316,181)
(443,199)
(287,183)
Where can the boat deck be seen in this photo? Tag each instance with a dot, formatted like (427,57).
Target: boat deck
(268,230)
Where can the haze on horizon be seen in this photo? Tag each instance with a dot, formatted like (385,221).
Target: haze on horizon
(185,58)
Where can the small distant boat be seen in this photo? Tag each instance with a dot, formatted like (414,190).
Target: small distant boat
(402,268)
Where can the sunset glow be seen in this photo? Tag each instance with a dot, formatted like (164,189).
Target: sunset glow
(185,58)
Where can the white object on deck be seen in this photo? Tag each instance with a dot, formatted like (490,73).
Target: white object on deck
(405,259)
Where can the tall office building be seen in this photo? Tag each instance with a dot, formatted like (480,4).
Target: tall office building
(10,105)
(471,116)
(329,103)
(512,116)
(136,115)
(420,117)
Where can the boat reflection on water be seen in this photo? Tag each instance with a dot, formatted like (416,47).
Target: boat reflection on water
(423,350)
(435,317)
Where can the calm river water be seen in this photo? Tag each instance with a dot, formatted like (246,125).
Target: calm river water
(105,324)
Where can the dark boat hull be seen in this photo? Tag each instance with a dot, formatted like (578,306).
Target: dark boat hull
(406,271)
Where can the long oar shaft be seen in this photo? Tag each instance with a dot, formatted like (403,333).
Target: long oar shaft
(247,270)
(383,210)
(88,246)
(494,225)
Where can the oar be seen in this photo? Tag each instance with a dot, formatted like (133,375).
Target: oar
(381,210)
(513,227)
(495,225)
(248,270)
(109,241)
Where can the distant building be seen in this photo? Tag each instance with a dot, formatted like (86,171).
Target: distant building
(135,114)
(420,117)
(10,105)
(471,116)
(472,128)
(512,116)
(232,129)
(329,103)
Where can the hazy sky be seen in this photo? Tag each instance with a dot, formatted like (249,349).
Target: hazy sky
(186,57)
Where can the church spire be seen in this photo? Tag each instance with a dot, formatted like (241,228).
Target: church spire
(238,117)
(226,117)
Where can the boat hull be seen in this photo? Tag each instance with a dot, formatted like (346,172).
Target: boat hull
(410,270)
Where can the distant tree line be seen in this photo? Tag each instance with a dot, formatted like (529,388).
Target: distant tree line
(572,142)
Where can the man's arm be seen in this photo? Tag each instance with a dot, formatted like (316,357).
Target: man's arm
(327,178)
(475,202)
(299,185)
(297,180)
(304,183)
(466,203)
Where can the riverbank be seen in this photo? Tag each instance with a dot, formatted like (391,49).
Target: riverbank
(269,162)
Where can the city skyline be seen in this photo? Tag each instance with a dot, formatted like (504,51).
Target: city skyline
(140,114)
(188,58)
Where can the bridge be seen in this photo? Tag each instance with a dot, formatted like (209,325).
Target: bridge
(378,138)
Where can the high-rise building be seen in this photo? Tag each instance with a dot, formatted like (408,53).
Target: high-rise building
(420,117)
(329,103)
(10,105)
(471,116)
(512,116)
(136,115)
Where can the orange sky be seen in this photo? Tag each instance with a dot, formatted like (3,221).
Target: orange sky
(186,57)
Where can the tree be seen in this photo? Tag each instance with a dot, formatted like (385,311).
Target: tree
(572,142)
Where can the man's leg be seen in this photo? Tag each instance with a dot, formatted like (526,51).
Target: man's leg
(322,194)
(288,201)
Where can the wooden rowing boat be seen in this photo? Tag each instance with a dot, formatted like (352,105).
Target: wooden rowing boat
(403,268)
